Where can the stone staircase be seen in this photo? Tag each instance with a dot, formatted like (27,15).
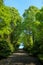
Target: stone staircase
(20,57)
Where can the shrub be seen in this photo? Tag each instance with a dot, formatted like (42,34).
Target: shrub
(5,48)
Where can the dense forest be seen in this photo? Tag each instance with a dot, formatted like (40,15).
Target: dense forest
(15,29)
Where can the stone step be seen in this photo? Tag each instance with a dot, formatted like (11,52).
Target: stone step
(20,58)
(20,51)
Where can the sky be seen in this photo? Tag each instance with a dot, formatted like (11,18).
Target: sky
(21,5)
(21,46)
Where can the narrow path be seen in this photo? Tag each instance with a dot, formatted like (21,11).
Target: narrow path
(21,58)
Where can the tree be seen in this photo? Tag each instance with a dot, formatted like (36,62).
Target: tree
(29,20)
(33,27)
(1,2)
(10,20)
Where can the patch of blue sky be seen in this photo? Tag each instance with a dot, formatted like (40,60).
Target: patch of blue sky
(21,5)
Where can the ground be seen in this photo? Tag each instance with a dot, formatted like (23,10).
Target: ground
(20,58)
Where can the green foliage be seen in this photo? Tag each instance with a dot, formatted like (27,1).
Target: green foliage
(1,2)
(33,26)
(5,48)
(10,22)
(14,30)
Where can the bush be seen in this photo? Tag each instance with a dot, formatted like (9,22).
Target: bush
(5,48)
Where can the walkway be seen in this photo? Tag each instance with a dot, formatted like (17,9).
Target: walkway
(20,58)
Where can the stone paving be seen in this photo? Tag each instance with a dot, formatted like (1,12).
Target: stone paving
(20,58)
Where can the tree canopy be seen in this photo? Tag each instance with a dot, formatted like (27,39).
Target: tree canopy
(10,22)
(15,29)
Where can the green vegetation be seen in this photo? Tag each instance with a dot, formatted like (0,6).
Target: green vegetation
(33,26)
(10,22)
(14,29)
